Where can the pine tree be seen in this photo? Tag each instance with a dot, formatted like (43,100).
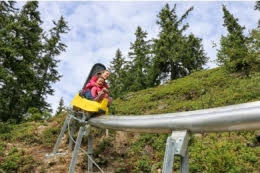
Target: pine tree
(61,106)
(257,7)
(174,55)
(118,75)
(253,45)
(140,53)
(24,49)
(11,44)
(47,64)
(193,57)
(165,47)
(29,31)
(233,51)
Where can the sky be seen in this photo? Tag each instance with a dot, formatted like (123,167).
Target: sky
(99,28)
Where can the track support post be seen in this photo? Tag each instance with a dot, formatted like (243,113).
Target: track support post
(90,153)
(84,130)
(177,144)
(64,127)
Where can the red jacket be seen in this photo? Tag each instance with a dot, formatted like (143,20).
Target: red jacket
(92,83)
(95,90)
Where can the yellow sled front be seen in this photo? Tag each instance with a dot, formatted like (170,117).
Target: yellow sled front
(90,106)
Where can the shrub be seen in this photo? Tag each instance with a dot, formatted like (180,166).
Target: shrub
(17,161)
(143,165)
(49,136)
(2,148)
(5,129)
(35,114)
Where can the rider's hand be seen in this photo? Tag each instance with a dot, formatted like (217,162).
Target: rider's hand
(105,90)
(101,93)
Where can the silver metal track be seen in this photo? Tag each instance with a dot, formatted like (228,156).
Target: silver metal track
(229,118)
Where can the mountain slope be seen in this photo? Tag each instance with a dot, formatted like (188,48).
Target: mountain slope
(23,147)
(222,152)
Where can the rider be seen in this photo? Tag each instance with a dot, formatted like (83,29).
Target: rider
(87,89)
(98,92)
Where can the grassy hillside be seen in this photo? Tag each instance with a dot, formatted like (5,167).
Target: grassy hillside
(223,152)
(200,90)
(22,147)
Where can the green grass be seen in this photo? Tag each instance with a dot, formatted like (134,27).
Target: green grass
(2,148)
(17,161)
(209,153)
(224,152)
(49,136)
(215,152)
(200,90)
(24,132)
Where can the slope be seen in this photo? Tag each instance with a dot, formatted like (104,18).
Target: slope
(23,147)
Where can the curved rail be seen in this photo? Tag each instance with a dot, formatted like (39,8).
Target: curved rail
(229,118)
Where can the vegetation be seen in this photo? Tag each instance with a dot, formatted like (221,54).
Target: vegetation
(28,67)
(233,53)
(200,90)
(221,152)
(151,62)
(14,137)
(118,74)
(17,161)
(49,136)
(61,107)
(174,55)
(140,59)
(257,7)
(27,59)
(214,152)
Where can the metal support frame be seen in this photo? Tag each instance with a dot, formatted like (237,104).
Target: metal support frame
(69,118)
(177,144)
(84,130)
(76,150)
(64,127)
(70,140)
(90,152)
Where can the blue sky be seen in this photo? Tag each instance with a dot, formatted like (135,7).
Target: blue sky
(99,28)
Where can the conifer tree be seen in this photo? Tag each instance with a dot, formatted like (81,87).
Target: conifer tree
(25,51)
(171,48)
(139,55)
(253,45)
(7,76)
(193,57)
(233,51)
(165,47)
(47,66)
(30,46)
(257,7)
(117,75)
(61,106)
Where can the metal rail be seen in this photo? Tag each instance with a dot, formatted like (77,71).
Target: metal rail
(229,118)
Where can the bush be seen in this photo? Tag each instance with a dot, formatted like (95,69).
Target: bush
(25,132)
(2,148)
(49,136)
(17,161)
(5,130)
(230,154)
(35,114)
(143,165)
(254,49)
